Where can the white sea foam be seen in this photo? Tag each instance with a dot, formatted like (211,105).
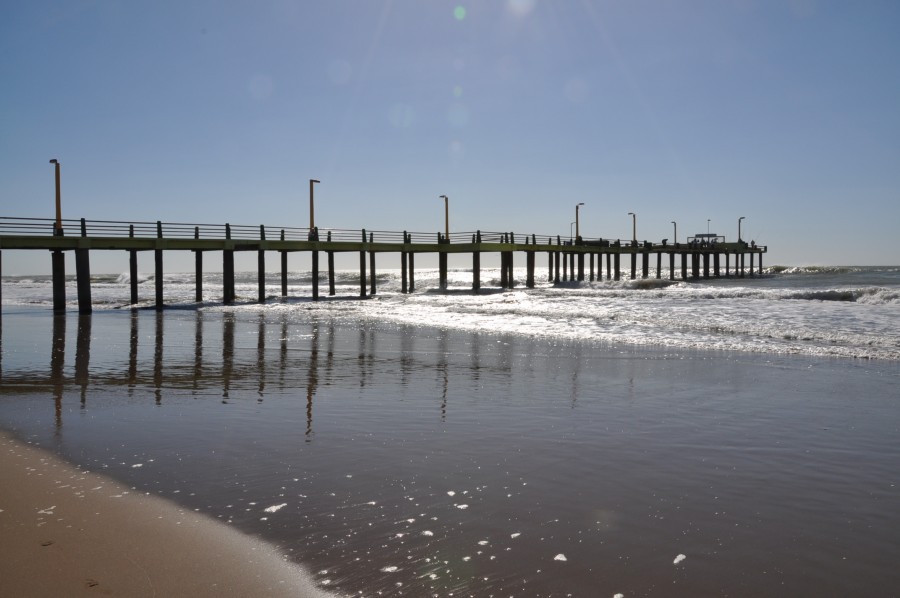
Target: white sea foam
(842,312)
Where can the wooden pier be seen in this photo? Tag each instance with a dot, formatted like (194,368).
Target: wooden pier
(577,260)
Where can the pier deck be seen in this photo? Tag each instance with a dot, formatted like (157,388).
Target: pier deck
(566,258)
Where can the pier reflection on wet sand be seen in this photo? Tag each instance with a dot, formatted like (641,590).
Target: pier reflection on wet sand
(287,356)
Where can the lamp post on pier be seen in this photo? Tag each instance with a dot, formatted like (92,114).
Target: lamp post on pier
(446,218)
(577,229)
(633,226)
(707,227)
(57,229)
(739,228)
(312,211)
(675,224)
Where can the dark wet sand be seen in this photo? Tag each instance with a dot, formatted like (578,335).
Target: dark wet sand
(68,532)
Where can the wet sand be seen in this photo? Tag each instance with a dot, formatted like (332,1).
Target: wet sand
(68,532)
(405,460)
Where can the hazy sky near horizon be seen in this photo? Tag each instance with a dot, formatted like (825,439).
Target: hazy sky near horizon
(785,112)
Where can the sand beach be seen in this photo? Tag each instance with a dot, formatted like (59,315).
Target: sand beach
(65,531)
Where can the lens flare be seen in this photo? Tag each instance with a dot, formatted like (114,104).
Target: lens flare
(459,13)
(520,8)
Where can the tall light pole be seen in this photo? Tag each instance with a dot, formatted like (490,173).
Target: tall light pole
(312,210)
(739,228)
(675,224)
(446,218)
(707,227)
(577,230)
(571,224)
(58,229)
(633,226)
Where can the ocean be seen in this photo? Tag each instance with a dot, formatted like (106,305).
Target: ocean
(734,436)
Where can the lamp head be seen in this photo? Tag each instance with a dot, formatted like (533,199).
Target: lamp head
(314,181)
(443,197)
(54,161)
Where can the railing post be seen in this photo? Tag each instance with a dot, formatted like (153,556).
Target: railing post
(159,229)
(227,230)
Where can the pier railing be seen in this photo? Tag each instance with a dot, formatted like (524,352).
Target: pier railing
(39,227)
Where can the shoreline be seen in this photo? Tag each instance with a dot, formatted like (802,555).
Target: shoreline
(65,531)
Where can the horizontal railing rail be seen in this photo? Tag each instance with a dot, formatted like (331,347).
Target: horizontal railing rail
(18,226)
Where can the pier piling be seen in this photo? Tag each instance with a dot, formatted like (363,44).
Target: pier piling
(565,261)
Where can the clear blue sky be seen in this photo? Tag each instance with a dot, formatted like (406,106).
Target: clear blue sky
(785,112)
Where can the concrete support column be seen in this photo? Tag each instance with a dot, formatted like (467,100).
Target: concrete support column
(581,267)
(158,277)
(133,275)
(284,271)
(372,288)
(198,276)
(442,270)
(476,271)
(362,274)
(83,280)
(330,257)
(633,266)
(261,275)
(315,274)
(412,271)
(403,274)
(58,263)
(617,266)
(529,267)
(228,277)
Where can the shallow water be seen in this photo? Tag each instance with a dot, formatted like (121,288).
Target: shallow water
(400,459)
(844,312)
